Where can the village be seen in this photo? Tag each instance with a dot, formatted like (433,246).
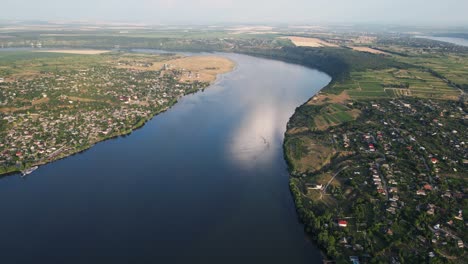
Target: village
(396,178)
(56,113)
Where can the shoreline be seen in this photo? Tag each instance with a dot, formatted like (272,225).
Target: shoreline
(295,195)
(81,150)
(308,214)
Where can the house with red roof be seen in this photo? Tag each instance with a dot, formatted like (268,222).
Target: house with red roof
(427,187)
(342,223)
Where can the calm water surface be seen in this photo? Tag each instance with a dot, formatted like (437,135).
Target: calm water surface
(456,41)
(204,182)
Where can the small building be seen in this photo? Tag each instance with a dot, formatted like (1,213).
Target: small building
(427,187)
(342,223)
(314,186)
(381,191)
(354,259)
(343,240)
(317,187)
(459,216)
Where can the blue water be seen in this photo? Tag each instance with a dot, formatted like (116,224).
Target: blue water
(204,182)
(456,41)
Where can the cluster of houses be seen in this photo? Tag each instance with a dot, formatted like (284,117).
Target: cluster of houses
(43,133)
(53,114)
(408,155)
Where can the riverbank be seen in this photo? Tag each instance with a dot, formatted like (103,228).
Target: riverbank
(70,152)
(449,39)
(215,159)
(345,137)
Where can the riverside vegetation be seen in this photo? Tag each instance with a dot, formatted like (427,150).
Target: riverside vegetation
(378,158)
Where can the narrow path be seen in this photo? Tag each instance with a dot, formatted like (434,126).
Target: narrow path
(336,174)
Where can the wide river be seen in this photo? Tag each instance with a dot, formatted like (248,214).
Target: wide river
(204,182)
(456,41)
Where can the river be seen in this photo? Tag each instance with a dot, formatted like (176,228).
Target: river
(204,182)
(456,41)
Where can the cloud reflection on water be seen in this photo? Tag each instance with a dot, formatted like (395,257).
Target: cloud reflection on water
(267,102)
(255,136)
(259,133)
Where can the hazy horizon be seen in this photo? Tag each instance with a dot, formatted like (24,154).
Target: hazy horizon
(416,12)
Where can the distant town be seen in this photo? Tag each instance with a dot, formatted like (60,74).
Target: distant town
(51,111)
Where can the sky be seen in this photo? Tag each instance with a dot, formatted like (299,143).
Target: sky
(404,12)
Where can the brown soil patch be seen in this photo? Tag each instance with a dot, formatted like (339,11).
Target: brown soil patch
(82,52)
(451,97)
(80,99)
(322,98)
(321,124)
(13,109)
(194,68)
(369,50)
(203,68)
(318,156)
(40,101)
(355,113)
(26,75)
(310,42)
(297,130)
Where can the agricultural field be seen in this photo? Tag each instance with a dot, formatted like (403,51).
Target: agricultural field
(378,158)
(391,83)
(309,42)
(334,114)
(396,172)
(308,154)
(450,66)
(22,64)
(443,60)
